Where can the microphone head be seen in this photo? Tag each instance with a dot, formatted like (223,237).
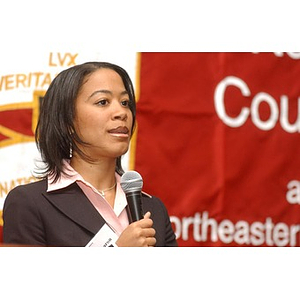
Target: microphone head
(131,181)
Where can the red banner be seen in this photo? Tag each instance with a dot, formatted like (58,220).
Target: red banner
(217,141)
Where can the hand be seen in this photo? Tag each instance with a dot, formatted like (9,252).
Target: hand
(138,234)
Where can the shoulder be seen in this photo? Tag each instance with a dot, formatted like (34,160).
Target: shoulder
(30,188)
(146,195)
(25,191)
(22,214)
(153,204)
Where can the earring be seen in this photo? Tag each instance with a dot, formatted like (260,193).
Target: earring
(71,150)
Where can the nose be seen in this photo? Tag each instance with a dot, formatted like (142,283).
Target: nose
(119,112)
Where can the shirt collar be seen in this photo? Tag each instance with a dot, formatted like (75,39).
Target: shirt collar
(69,178)
(64,180)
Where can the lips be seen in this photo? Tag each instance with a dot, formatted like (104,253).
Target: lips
(119,131)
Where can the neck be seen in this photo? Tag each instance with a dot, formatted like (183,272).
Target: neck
(100,174)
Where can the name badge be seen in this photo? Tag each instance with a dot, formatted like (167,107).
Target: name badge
(105,237)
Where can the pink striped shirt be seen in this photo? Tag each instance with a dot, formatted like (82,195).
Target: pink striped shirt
(115,217)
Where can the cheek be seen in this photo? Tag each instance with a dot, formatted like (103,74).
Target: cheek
(130,118)
(88,124)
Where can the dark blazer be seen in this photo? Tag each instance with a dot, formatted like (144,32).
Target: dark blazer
(66,217)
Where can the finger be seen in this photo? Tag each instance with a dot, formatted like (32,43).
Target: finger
(145,223)
(147,215)
(148,232)
(151,241)
(142,221)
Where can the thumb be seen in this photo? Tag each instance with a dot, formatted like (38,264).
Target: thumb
(147,215)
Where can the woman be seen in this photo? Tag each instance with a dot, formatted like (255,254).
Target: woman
(86,121)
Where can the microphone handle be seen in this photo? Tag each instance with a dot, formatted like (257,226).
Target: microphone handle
(134,207)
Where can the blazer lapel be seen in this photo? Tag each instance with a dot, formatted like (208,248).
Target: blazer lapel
(72,202)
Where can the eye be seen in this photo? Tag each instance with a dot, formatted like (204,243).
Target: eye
(125,103)
(102,102)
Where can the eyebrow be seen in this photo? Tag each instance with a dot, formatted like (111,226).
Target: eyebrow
(106,92)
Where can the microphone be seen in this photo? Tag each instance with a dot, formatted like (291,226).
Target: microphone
(132,183)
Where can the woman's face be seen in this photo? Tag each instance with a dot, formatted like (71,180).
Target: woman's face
(103,118)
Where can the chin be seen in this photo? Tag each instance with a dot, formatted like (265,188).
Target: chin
(121,151)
